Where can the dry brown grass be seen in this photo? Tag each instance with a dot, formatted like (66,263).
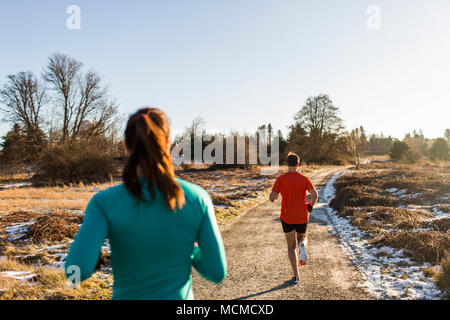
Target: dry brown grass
(6,177)
(442,225)
(11,219)
(443,277)
(220,200)
(360,196)
(227,215)
(36,258)
(74,197)
(430,272)
(55,227)
(51,285)
(18,217)
(10,264)
(430,180)
(388,217)
(49,227)
(11,249)
(30,254)
(421,246)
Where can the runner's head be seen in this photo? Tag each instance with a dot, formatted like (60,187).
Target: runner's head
(147,141)
(293,160)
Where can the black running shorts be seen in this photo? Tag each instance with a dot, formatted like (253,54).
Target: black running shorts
(300,228)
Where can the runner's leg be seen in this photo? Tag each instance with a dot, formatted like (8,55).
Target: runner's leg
(302,239)
(292,252)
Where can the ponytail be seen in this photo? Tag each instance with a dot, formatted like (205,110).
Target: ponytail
(146,136)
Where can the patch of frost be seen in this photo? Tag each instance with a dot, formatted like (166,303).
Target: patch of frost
(15,185)
(18,275)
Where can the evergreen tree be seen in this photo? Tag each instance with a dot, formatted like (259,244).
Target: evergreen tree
(15,147)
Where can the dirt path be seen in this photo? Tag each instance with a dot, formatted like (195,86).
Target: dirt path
(258,265)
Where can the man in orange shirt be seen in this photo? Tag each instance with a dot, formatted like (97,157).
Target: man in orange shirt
(294,210)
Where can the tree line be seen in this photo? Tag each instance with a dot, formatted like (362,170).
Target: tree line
(318,135)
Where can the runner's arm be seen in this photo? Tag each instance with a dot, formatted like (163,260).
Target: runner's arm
(209,257)
(275,190)
(312,190)
(314,196)
(273,196)
(85,249)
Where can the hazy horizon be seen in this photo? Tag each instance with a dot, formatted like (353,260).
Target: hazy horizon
(242,64)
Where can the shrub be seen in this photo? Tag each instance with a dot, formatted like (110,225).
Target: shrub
(411,156)
(398,150)
(77,161)
(439,149)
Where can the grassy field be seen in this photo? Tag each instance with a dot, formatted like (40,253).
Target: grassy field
(37,226)
(404,207)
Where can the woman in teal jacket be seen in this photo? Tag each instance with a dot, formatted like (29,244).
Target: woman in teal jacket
(152,221)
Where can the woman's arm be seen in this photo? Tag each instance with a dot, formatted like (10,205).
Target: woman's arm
(85,250)
(209,258)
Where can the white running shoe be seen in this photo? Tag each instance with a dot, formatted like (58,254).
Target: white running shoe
(302,256)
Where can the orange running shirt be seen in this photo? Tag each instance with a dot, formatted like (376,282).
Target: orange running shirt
(293,187)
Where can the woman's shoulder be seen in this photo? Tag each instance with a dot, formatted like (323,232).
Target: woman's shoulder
(196,197)
(114,192)
(194,193)
(192,190)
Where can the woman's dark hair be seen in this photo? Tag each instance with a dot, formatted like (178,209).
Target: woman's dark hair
(146,137)
(293,159)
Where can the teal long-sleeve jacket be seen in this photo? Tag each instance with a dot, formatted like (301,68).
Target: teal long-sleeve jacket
(151,246)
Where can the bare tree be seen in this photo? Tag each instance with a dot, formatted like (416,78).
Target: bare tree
(82,97)
(355,143)
(106,122)
(63,73)
(23,98)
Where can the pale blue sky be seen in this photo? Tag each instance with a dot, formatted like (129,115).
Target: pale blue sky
(242,63)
